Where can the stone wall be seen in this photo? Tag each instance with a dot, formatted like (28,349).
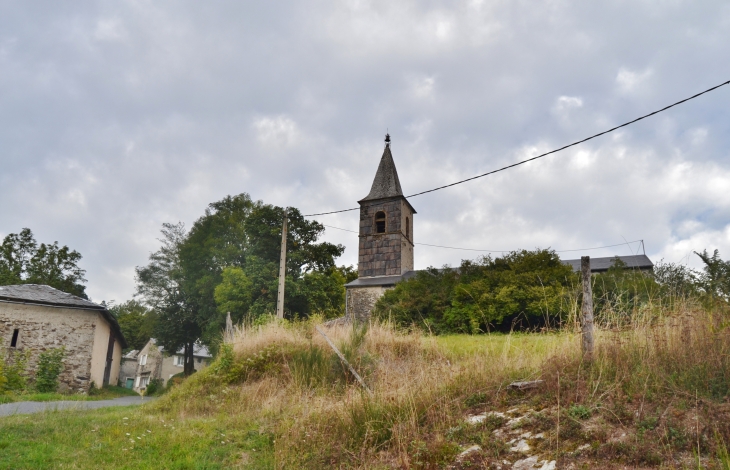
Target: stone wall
(42,328)
(128,370)
(361,300)
(389,253)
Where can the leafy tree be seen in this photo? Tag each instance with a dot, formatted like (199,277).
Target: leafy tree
(620,292)
(676,280)
(23,261)
(529,285)
(136,321)
(715,279)
(229,262)
(162,286)
(242,238)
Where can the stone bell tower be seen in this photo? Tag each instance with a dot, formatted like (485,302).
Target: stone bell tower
(385,250)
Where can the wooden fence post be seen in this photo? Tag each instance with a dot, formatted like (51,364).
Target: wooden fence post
(587,307)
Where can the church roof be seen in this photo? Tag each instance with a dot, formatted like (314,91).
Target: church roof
(386,183)
(599,265)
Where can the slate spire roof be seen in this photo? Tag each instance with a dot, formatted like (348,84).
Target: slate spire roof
(386,182)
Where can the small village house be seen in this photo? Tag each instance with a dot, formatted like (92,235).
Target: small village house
(37,318)
(151,362)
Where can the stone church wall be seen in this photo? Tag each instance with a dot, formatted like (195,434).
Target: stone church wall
(389,253)
(361,300)
(42,328)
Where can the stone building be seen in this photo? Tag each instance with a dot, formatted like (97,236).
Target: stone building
(36,318)
(385,249)
(386,234)
(151,362)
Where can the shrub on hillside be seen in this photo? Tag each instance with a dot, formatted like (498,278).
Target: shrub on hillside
(533,285)
(50,365)
(15,371)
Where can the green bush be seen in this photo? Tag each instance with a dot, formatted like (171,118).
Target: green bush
(50,365)
(154,387)
(534,285)
(3,380)
(15,371)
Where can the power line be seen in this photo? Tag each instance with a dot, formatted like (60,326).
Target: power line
(498,251)
(546,153)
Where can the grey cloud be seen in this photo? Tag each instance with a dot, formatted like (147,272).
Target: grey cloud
(118,116)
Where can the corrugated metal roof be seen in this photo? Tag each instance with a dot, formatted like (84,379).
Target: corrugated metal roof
(46,295)
(599,265)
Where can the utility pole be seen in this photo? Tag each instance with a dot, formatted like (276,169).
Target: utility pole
(587,307)
(282,270)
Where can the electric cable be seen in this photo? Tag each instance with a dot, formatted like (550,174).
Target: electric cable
(496,251)
(546,153)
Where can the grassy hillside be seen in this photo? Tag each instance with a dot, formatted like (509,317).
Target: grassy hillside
(653,396)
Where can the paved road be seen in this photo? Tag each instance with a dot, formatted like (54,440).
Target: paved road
(27,407)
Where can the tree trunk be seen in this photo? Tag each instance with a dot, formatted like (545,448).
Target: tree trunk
(587,307)
(189,364)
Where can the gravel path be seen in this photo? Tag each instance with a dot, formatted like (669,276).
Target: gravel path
(28,407)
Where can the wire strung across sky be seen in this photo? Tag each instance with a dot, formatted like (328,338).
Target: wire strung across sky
(498,251)
(546,153)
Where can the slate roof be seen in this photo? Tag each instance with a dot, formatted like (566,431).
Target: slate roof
(386,183)
(198,349)
(46,295)
(381,280)
(599,265)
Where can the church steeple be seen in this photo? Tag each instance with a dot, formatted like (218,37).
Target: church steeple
(386,224)
(386,182)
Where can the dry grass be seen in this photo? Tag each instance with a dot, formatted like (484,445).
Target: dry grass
(652,383)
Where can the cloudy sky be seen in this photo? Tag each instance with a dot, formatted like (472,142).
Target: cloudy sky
(117,116)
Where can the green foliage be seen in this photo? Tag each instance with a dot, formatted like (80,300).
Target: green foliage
(136,321)
(50,365)
(23,261)
(579,412)
(3,380)
(231,369)
(15,371)
(715,279)
(155,387)
(229,262)
(620,292)
(482,294)
(162,284)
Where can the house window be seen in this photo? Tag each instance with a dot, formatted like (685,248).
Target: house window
(143,360)
(144,382)
(408,228)
(380,222)
(179,361)
(14,341)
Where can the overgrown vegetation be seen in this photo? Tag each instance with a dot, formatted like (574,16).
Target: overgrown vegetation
(653,395)
(228,262)
(278,398)
(534,289)
(50,365)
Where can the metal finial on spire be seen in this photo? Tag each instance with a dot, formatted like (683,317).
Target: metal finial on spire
(387,140)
